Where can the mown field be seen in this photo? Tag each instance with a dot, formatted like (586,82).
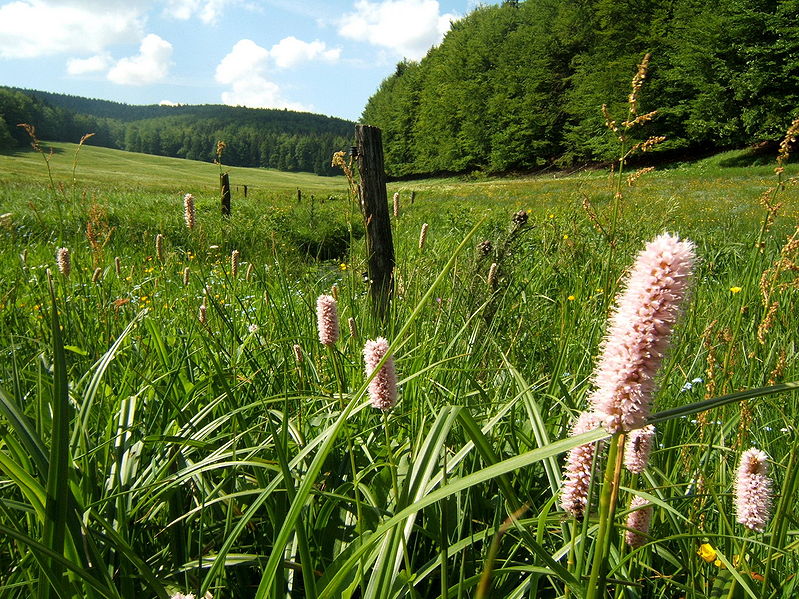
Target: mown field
(147,451)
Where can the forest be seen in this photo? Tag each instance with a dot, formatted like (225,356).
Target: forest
(279,139)
(520,86)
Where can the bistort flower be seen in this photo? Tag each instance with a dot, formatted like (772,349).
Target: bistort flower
(638,447)
(577,470)
(753,490)
(639,332)
(327,319)
(383,387)
(638,522)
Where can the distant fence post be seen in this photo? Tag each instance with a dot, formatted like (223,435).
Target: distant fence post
(374,203)
(299,196)
(224,187)
(245,191)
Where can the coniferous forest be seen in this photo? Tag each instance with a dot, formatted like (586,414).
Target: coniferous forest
(280,139)
(519,86)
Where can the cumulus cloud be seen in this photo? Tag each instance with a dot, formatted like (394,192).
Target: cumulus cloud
(208,11)
(245,70)
(406,27)
(150,65)
(93,64)
(32,28)
(290,52)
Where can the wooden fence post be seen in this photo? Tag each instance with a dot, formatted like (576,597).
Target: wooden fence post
(299,196)
(245,191)
(224,186)
(374,204)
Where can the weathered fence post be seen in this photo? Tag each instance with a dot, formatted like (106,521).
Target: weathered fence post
(224,187)
(245,191)
(413,196)
(299,196)
(374,203)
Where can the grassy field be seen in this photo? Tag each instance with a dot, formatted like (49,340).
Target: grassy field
(170,421)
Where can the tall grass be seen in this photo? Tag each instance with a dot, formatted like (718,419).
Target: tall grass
(144,453)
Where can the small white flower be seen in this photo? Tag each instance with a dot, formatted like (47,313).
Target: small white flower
(253,328)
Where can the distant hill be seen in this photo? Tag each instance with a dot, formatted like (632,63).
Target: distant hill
(280,139)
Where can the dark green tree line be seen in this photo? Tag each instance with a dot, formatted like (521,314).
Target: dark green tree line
(520,85)
(280,139)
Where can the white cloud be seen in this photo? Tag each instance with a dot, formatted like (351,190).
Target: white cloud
(31,28)
(150,65)
(208,11)
(407,27)
(290,52)
(245,70)
(93,64)
(246,58)
(168,103)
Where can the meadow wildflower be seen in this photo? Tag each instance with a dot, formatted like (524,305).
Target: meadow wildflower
(577,470)
(353,327)
(64,262)
(234,263)
(735,289)
(327,319)
(423,235)
(492,275)
(383,387)
(638,522)
(159,247)
(639,331)
(638,447)
(203,313)
(706,552)
(753,490)
(188,210)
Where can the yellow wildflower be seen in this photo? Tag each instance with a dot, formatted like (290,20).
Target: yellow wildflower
(735,289)
(706,552)
(570,298)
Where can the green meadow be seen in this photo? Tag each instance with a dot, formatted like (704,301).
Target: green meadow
(170,422)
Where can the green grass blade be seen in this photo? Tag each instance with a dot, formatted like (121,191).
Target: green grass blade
(56,506)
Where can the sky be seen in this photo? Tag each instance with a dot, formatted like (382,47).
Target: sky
(319,56)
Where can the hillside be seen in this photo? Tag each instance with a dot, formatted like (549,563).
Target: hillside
(279,139)
(105,168)
(519,86)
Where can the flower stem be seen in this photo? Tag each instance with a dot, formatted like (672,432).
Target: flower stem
(607,513)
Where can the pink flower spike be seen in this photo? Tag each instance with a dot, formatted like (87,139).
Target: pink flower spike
(577,470)
(383,387)
(638,447)
(327,319)
(639,331)
(638,522)
(753,490)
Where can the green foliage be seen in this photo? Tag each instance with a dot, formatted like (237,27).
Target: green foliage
(182,455)
(519,85)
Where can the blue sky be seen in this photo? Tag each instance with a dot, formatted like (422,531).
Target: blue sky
(319,56)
